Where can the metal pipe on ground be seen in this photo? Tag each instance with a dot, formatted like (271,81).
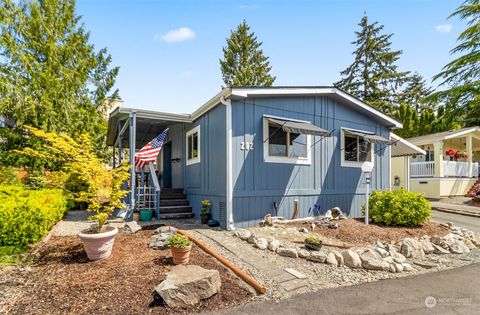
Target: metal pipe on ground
(249,280)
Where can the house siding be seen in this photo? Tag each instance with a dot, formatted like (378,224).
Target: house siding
(207,179)
(257,184)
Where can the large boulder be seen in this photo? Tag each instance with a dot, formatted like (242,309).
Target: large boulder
(351,259)
(411,248)
(188,284)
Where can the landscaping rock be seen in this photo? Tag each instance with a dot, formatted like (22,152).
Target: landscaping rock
(407,267)
(331,259)
(425,264)
(397,257)
(273,244)
(351,259)
(253,237)
(384,253)
(391,268)
(303,253)
(287,252)
(243,234)
(188,284)
(158,241)
(427,246)
(317,257)
(371,260)
(370,254)
(336,212)
(131,227)
(398,267)
(261,243)
(439,250)
(469,243)
(339,258)
(328,215)
(411,248)
(458,247)
(166,229)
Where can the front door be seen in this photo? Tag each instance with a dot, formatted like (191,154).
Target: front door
(167,165)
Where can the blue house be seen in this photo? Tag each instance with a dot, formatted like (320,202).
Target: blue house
(254,151)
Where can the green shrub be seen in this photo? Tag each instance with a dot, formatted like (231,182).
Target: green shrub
(398,207)
(312,238)
(178,241)
(27,215)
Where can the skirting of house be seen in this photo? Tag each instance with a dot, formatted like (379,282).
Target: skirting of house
(438,187)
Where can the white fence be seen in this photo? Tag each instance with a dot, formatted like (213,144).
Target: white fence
(450,168)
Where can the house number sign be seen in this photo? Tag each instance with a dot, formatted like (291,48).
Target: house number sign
(246,146)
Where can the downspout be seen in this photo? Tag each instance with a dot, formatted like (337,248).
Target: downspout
(229,186)
(132,145)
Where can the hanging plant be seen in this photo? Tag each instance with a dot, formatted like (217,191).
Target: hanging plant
(450,152)
(460,155)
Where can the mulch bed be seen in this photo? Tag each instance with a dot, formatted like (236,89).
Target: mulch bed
(64,281)
(356,233)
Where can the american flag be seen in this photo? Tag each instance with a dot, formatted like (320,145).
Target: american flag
(150,151)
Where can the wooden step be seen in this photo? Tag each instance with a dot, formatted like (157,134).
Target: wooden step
(164,196)
(172,190)
(174,202)
(175,209)
(181,215)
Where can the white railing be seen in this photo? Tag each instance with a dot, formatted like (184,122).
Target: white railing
(450,168)
(459,168)
(422,169)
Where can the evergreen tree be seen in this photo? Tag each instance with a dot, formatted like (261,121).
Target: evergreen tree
(462,75)
(244,63)
(373,76)
(51,77)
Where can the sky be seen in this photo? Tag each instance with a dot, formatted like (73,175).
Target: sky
(169,51)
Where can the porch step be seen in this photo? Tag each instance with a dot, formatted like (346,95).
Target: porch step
(175,209)
(164,196)
(180,215)
(173,202)
(172,190)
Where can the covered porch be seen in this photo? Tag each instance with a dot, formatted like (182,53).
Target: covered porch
(129,130)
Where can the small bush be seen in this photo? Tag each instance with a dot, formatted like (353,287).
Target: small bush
(398,207)
(27,215)
(178,241)
(312,238)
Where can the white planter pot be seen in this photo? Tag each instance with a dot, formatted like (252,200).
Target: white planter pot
(98,245)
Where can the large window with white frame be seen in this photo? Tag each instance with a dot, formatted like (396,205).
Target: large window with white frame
(285,147)
(193,145)
(355,149)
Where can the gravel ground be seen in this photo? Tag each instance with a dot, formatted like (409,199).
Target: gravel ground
(320,275)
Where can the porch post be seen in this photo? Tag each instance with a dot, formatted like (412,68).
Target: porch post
(132,146)
(469,155)
(438,158)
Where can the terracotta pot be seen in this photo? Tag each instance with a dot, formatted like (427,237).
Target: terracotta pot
(98,245)
(181,255)
(136,216)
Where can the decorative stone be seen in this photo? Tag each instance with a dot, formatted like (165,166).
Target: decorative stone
(303,253)
(427,246)
(469,243)
(253,237)
(273,244)
(398,267)
(328,215)
(397,257)
(380,245)
(370,254)
(407,267)
(131,227)
(411,248)
(439,250)
(317,257)
(336,212)
(188,284)
(425,264)
(166,229)
(458,247)
(261,243)
(382,252)
(331,259)
(339,258)
(371,260)
(243,234)
(351,259)
(391,268)
(287,252)
(158,241)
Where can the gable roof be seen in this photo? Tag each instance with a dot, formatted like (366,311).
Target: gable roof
(336,93)
(444,135)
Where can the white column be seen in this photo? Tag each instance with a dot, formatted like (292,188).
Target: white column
(438,158)
(407,172)
(469,155)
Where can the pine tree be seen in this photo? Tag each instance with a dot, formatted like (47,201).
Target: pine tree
(244,63)
(51,77)
(373,76)
(462,75)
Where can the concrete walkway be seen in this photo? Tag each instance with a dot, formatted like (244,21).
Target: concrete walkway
(447,292)
(456,208)
(468,222)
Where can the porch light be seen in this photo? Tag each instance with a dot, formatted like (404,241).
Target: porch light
(367,168)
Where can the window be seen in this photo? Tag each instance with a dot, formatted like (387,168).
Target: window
(355,150)
(193,146)
(285,147)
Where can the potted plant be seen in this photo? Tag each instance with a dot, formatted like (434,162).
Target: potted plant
(205,214)
(180,246)
(313,242)
(84,176)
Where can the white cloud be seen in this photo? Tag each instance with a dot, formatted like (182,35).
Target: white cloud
(248,6)
(178,35)
(186,74)
(444,28)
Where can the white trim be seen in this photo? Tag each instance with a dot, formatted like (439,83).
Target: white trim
(191,132)
(229,164)
(281,159)
(408,144)
(344,163)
